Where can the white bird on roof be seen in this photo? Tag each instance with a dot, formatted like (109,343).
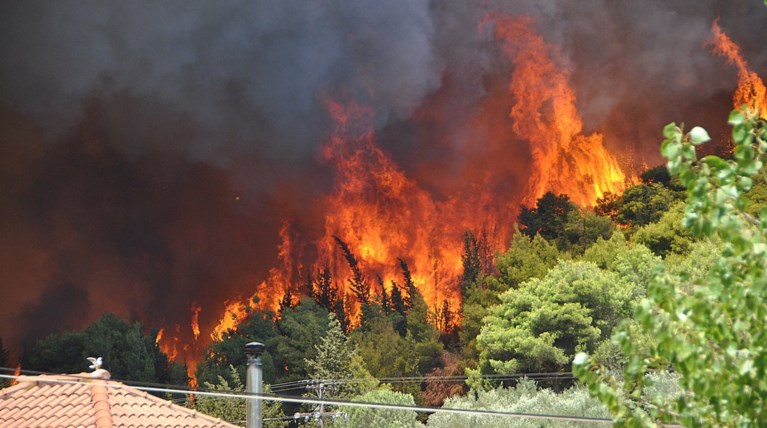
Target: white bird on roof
(96,363)
(98,372)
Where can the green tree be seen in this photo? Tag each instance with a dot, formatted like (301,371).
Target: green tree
(471,263)
(547,218)
(4,360)
(477,261)
(525,397)
(357,283)
(540,326)
(60,353)
(713,332)
(387,354)
(666,236)
(128,353)
(382,418)
(659,174)
(259,326)
(756,197)
(300,330)
(324,290)
(526,258)
(426,336)
(631,261)
(337,363)
(583,228)
(644,204)
(230,409)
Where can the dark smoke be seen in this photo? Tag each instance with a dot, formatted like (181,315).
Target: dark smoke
(150,150)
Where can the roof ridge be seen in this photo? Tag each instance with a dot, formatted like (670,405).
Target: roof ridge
(106,402)
(101,406)
(168,403)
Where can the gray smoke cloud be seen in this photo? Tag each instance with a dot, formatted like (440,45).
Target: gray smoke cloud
(245,75)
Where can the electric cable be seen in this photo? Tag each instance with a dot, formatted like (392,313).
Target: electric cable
(306,400)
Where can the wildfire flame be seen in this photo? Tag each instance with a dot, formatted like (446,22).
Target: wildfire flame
(196,320)
(383,215)
(192,378)
(234,313)
(751,91)
(16,374)
(544,114)
(169,345)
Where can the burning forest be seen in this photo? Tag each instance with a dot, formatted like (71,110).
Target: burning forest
(182,166)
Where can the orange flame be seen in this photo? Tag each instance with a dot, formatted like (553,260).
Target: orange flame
(16,374)
(192,378)
(234,313)
(544,114)
(168,345)
(382,215)
(281,277)
(751,91)
(196,320)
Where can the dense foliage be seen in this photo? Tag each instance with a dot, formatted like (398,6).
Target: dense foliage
(707,325)
(127,352)
(525,397)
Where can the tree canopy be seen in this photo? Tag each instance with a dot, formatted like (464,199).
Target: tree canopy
(708,327)
(539,326)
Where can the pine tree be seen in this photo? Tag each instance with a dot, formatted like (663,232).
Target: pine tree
(386,303)
(338,365)
(397,301)
(325,293)
(397,308)
(409,286)
(357,283)
(3,354)
(308,286)
(231,409)
(340,312)
(287,301)
(445,317)
(3,363)
(470,261)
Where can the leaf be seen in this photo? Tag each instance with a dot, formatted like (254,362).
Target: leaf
(670,130)
(739,132)
(581,358)
(736,117)
(698,136)
(715,162)
(746,367)
(670,150)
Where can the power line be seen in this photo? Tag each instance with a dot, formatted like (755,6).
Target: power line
(450,378)
(289,386)
(306,400)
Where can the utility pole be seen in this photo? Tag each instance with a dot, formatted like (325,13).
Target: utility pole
(254,384)
(319,414)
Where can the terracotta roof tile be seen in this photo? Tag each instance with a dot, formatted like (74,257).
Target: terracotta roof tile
(42,401)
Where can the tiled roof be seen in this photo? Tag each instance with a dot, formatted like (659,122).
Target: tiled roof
(44,401)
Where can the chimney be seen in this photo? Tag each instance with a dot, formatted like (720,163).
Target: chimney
(254,384)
